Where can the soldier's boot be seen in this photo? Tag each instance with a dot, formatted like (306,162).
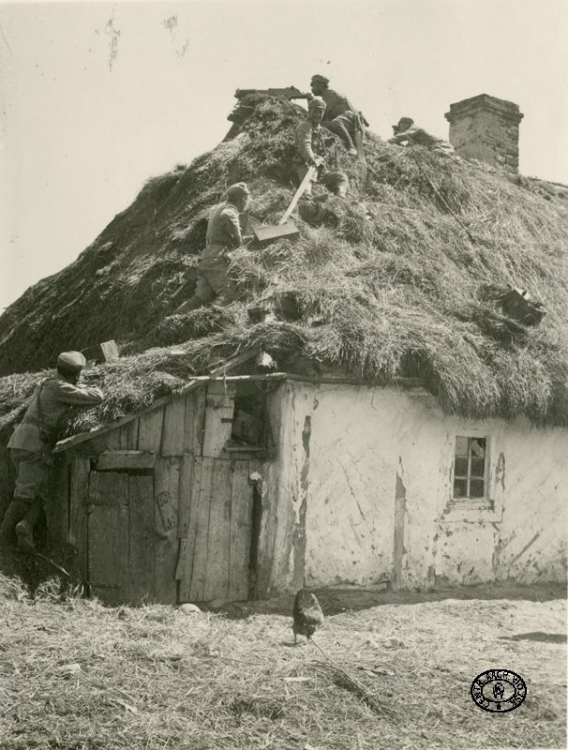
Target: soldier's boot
(25,528)
(14,514)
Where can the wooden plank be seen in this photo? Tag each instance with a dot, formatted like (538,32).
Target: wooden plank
(150,431)
(166,503)
(57,508)
(194,421)
(78,501)
(241,524)
(129,435)
(109,350)
(184,574)
(197,382)
(218,418)
(183,560)
(125,459)
(240,359)
(69,442)
(108,536)
(200,532)
(185,489)
(142,542)
(219,533)
(174,427)
(112,440)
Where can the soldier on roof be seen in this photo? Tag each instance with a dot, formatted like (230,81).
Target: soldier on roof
(341,117)
(407,134)
(32,443)
(310,149)
(223,235)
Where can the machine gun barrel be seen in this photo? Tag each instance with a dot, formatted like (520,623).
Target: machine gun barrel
(290,92)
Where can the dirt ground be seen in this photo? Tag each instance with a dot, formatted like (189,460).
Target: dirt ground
(387,670)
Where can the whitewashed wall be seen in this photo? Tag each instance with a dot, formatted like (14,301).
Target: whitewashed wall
(362,493)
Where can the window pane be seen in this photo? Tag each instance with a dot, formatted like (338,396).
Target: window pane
(476,488)
(478,447)
(477,467)
(460,488)
(461,446)
(461,467)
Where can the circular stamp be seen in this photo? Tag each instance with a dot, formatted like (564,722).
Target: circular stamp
(498,690)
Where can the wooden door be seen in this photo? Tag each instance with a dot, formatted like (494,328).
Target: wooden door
(215,554)
(121,538)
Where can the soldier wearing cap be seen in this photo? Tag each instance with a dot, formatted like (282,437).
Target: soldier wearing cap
(310,149)
(223,235)
(32,442)
(407,134)
(341,117)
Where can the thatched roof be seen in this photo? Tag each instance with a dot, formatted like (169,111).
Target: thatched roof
(394,281)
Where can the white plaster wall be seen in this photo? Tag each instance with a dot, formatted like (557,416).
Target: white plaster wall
(350,509)
(362,439)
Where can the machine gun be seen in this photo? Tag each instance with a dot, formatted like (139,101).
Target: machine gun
(290,92)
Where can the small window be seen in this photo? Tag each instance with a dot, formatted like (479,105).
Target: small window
(470,468)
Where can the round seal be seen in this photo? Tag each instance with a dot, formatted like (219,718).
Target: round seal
(498,690)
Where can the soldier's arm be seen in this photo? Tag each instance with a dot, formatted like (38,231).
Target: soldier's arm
(76,395)
(400,138)
(304,142)
(230,220)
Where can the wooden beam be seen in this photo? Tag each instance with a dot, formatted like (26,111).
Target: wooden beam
(112,460)
(230,364)
(216,374)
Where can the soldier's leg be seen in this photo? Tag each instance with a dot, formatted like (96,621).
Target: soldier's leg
(25,528)
(338,127)
(221,282)
(31,489)
(202,295)
(15,512)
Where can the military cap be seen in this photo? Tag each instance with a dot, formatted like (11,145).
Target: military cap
(71,360)
(316,103)
(406,119)
(238,190)
(320,79)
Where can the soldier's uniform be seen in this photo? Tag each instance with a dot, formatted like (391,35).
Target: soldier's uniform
(419,137)
(341,117)
(310,149)
(223,235)
(32,443)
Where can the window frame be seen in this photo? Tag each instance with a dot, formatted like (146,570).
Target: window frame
(482,501)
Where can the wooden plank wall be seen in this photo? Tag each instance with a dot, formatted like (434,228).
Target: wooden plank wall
(216,551)
(185,527)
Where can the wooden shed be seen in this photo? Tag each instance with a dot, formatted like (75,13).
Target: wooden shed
(248,485)
(165,506)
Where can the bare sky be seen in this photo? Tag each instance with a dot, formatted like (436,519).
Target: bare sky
(97,97)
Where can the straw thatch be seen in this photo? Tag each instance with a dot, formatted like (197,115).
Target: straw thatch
(389,282)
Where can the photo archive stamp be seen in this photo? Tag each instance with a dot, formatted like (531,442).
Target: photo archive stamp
(498,690)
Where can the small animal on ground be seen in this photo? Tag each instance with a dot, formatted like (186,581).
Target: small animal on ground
(307,614)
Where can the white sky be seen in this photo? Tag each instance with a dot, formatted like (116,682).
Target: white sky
(97,97)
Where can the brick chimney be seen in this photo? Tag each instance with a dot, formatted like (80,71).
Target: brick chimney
(486,128)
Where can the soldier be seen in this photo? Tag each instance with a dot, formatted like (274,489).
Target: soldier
(341,117)
(406,133)
(310,148)
(223,235)
(32,442)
